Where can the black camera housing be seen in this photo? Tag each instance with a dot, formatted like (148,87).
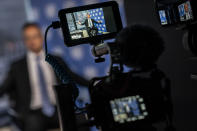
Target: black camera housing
(148,89)
(95,39)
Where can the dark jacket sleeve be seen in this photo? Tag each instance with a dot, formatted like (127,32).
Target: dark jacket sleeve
(77,78)
(94,21)
(8,84)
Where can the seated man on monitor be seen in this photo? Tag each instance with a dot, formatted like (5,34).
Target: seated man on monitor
(89,23)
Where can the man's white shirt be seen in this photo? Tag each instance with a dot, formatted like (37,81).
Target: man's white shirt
(90,24)
(50,79)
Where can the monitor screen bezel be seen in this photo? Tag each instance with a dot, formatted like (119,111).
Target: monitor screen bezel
(65,29)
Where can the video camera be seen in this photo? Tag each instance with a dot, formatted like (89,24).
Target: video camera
(181,14)
(120,101)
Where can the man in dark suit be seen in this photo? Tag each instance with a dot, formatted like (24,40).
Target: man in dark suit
(30,85)
(90,25)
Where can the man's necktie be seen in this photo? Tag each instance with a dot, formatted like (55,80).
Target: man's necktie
(47,108)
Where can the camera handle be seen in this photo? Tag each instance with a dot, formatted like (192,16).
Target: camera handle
(65,106)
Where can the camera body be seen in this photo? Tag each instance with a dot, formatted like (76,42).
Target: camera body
(126,101)
(181,14)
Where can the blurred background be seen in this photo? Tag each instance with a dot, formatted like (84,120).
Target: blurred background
(176,62)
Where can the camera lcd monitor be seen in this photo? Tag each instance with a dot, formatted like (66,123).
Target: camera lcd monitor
(89,23)
(128,109)
(163,17)
(185,11)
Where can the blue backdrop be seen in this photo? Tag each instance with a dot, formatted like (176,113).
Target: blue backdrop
(97,14)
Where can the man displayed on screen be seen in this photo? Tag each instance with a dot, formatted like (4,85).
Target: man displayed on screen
(163,18)
(185,11)
(89,23)
(188,11)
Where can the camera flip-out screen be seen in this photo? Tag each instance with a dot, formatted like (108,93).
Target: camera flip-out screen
(129,109)
(185,11)
(90,23)
(163,17)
